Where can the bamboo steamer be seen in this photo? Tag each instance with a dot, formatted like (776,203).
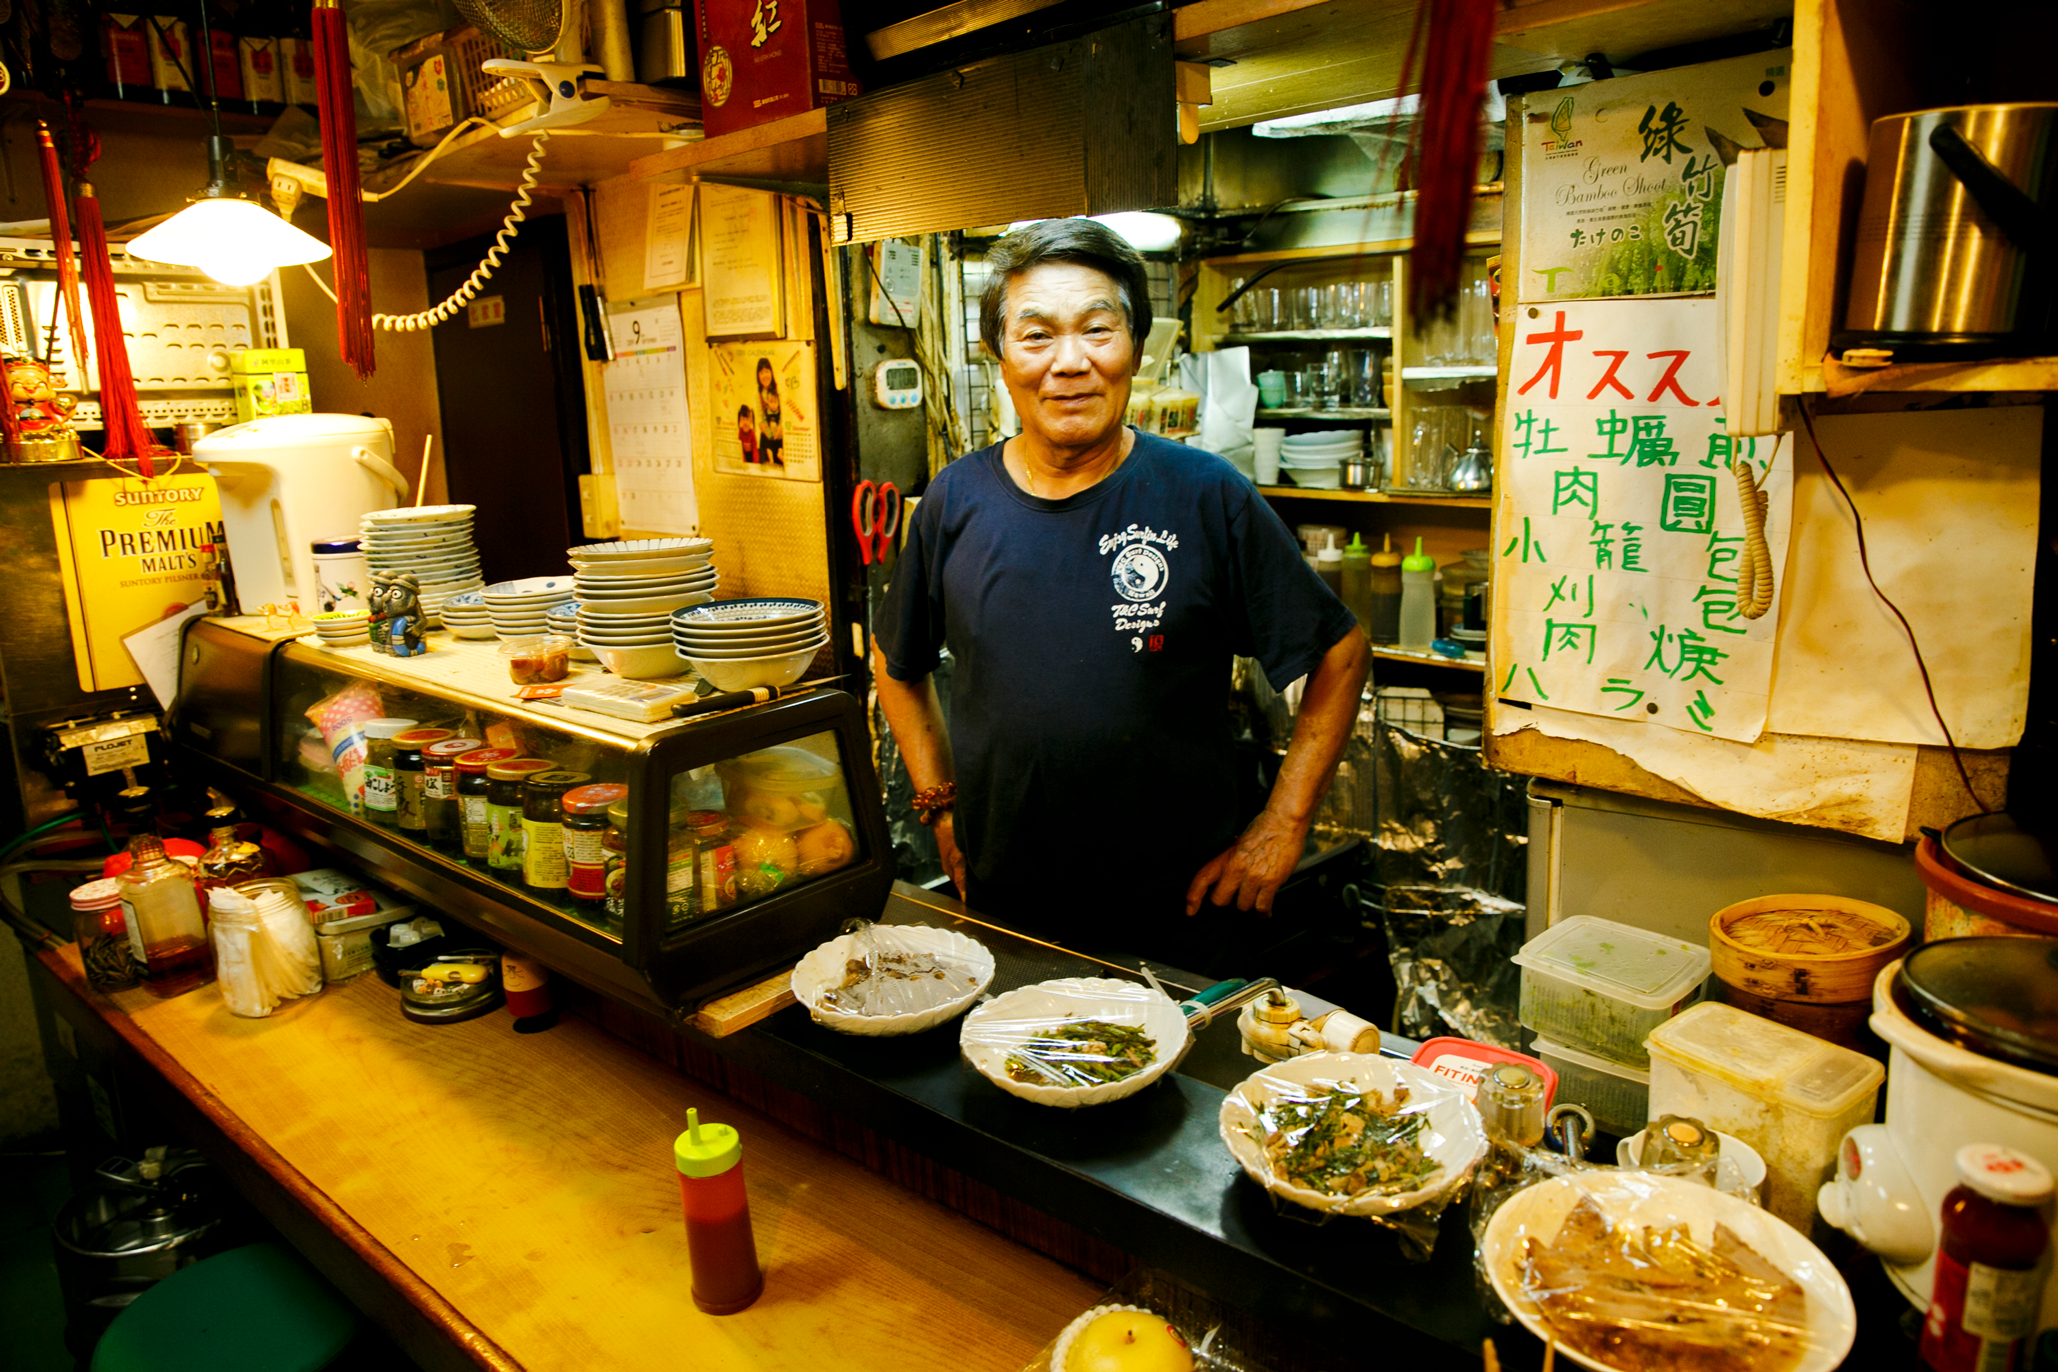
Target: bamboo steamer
(1812,950)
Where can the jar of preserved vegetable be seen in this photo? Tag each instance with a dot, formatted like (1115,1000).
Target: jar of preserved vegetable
(409,777)
(504,782)
(103,936)
(381,787)
(439,790)
(472,786)
(543,833)
(614,841)
(585,830)
(714,860)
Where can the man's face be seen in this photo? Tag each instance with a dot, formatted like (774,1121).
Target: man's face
(1066,354)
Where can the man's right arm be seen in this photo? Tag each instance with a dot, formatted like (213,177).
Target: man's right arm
(916,717)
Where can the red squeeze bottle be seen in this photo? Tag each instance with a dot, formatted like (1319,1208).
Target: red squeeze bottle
(726,1277)
(1989,1273)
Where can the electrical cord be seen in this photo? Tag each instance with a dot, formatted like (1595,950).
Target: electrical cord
(1865,561)
(476,282)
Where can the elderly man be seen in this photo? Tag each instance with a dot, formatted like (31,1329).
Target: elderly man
(1092,584)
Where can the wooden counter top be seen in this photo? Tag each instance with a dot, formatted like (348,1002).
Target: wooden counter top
(518,1191)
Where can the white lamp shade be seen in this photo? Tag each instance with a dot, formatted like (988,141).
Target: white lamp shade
(234,241)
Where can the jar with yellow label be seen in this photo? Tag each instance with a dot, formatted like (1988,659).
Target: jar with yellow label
(504,782)
(585,830)
(543,833)
(472,795)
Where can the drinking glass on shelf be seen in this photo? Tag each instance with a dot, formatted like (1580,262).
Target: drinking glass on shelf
(1476,344)
(1326,378)
(1264,312)
(1297,390)
(1336,305)
(1379,302)
(1361,378)
(1307,311)
(1241,313)
(1430,457)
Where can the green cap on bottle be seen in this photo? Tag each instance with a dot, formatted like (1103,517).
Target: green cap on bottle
(1418,561)
(706,1150)
(1356,551)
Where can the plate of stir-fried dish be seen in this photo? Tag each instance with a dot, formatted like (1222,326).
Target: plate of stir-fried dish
(1351,1133)
(1635,1272)
(1076,1041)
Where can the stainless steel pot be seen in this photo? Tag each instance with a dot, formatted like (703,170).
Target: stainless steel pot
(1955,244)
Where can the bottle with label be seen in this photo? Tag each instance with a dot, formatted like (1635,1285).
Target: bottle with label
(504,782)
(381,785)
(1383,625)
(166,931)
(585,831)
(442,815)
(1990,1264)
(229,859)
(410,777)
(473,795)
(543,832)
(1418,600)
(1357,582)
(719,1243)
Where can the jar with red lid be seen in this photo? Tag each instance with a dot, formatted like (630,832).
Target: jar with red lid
(102,932)
(440,812)
(410,778)
(1990,1263)
(473,787)
(585,831)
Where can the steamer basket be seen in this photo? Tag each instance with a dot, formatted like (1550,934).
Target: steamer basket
(1806,949)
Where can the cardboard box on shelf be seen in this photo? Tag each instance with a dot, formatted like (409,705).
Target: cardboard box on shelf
(270,381)
(762,60)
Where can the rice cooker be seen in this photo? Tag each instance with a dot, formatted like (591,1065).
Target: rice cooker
(1972,1025)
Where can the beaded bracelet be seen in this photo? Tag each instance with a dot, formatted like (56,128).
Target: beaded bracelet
(930,804)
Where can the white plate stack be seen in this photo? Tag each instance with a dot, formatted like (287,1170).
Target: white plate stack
(738,644)
(1315,460)
(564,619)
(432,541)
(521,608)
(628,590)
(467,616)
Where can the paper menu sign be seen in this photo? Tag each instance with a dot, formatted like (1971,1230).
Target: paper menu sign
(1620,525)
(740,252)
(1621,181)
(668,253)
(649,436)
(129,555)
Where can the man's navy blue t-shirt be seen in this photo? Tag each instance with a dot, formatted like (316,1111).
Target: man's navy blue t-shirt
(1089,696)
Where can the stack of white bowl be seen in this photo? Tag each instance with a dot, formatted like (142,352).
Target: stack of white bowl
(627,592)
(564,619)
(432,541)
(737,644)
(467,616)
(1315,460)
(521,608)
(343,628)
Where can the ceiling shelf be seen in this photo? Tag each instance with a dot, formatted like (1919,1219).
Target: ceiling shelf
(1486,372)
(1462,502)
(789,151)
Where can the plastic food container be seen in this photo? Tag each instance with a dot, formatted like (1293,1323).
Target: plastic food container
(1602,987)
(1788,1094)
(547,657)
(1618,1096)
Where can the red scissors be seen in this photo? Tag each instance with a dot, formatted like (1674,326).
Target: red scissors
(875,515)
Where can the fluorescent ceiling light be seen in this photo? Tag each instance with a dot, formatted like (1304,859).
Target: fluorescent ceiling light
(1143,230)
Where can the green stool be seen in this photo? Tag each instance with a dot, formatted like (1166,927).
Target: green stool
(255,1309)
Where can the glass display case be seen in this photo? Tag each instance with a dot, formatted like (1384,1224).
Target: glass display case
(664,861)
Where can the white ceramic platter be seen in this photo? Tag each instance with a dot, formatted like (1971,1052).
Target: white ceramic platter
(824,969)
(998,1027)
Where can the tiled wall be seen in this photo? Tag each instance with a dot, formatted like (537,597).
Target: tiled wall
(974,387)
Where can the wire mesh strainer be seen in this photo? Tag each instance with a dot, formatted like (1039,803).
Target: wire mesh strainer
(524,25)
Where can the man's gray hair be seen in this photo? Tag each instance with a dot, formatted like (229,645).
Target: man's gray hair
(1080,241)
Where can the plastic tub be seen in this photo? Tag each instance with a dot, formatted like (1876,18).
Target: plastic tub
(1789,1095)
(1617,1096)
(1602,987)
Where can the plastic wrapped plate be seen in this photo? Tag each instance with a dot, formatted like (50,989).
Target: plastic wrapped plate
(1658,1203)
(1001,1027)
(1453,1137)
(824,969)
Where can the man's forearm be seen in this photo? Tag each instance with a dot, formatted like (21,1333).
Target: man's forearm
(915,716)
(1329,711)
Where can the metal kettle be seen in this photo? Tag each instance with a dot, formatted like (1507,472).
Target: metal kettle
(1957,242)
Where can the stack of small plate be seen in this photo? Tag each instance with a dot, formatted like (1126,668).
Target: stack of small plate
(564,619)
(627,592)
(467,616)
(432,541)
(342,628)
(521,608)
(738,644)
(1315,460)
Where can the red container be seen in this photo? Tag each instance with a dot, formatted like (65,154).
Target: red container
(762,60)
(1465,1061)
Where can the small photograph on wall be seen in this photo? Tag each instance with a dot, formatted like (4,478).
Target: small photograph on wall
(764,416)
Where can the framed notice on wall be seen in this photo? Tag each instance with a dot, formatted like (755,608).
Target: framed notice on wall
(764,419)
(742,275)
(129,551)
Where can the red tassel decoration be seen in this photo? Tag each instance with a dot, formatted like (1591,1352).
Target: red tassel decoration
(128,438)
(339,165)
(60,242)
(1456,41)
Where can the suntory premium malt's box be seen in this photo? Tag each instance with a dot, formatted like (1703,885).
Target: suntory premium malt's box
(762,60)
